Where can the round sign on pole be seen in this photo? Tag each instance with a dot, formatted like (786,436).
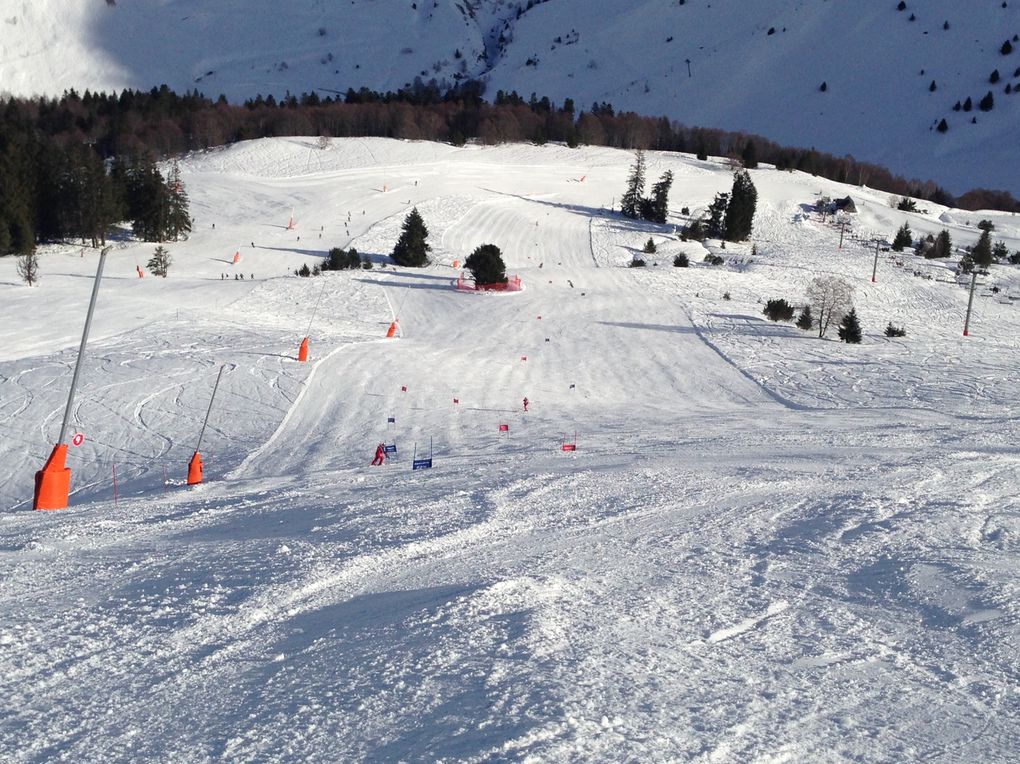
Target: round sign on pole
(78,439)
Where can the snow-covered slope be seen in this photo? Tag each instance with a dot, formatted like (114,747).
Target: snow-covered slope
(766,547)
(705,63)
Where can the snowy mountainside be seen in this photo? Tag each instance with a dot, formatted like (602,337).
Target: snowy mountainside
(755,67)
(766,547)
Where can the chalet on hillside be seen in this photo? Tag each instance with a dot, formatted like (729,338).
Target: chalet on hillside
(846,204)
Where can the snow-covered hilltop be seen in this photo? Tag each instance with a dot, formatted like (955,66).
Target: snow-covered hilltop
(890,76)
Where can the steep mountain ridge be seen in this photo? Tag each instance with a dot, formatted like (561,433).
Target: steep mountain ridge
(718,64)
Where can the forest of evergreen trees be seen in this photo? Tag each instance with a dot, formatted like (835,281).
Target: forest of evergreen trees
(72,166)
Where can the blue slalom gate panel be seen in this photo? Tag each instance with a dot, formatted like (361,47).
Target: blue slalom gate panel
(390,449)
(422,464)
(391,420)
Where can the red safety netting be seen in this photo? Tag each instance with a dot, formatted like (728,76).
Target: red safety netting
(466,284)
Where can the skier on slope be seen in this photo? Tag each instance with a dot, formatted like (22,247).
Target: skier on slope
(380,455)
(526,404)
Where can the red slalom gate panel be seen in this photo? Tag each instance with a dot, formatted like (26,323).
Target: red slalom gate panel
(569,446)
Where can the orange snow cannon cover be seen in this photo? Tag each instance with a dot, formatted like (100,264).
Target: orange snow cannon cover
(53,481)
(195,469)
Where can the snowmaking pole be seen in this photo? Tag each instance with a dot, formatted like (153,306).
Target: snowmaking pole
(874,268)
(195,468)
(970,303)
(303,350)
(842,228)
(53,481)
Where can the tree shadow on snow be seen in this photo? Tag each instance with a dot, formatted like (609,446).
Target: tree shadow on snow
(674,329)
(621,222)
(447,287)
(295,251)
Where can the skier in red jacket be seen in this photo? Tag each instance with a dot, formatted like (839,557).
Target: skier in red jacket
(380,456)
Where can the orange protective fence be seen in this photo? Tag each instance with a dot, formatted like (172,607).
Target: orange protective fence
(466,284)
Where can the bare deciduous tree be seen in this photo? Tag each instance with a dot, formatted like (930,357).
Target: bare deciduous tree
(831,297)
(28,267)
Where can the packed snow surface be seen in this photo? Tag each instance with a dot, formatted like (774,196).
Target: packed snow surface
(767,546)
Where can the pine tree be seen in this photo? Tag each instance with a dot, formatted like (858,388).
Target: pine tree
(904,238)
(741,209)
(850,328)
(988,102)
(159,263)
(659,201)
(805,321)
(83,203)
(486,265)
(716,215)
(17,224)
(750,155)
(151,202)
(178,213)
(412,249)
(28,267)
(982,252)
(630,202)
(943,246)
(5,235)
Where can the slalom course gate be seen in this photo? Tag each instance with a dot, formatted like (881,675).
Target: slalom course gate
(466,284)
(569,446)
(421,464)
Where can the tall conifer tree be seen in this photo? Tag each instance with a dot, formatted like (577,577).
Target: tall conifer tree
(740,212)
(412,249)
(630,202)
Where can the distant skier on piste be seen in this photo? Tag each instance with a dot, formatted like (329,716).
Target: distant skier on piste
(526,404)
(380,455)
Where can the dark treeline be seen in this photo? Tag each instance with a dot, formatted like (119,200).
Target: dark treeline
(55,153)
